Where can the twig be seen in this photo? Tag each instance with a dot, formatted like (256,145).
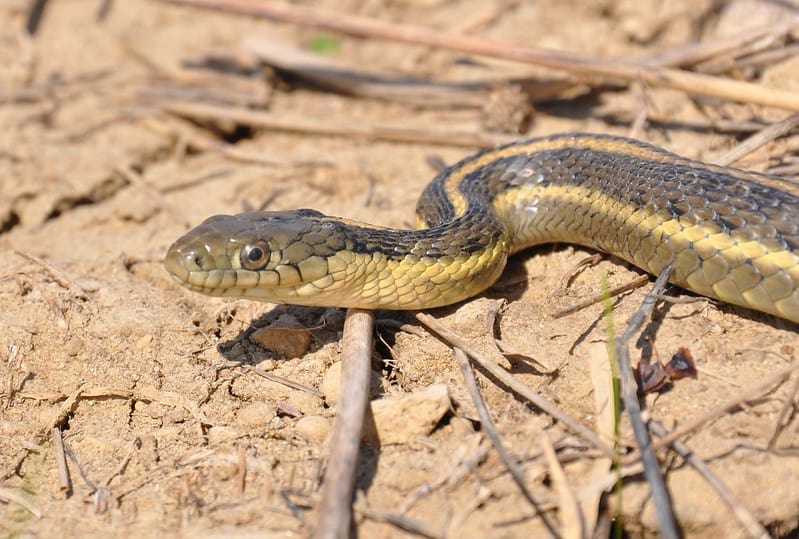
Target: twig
(759,139)
(747,520)
(788,407)
(153,192)
(500,374)
(410,525)
(349,79)
(335,513)
(487,423)
(629,391)
(305,124)
(57,275)
(91,484)
(9,495)
(64,481)
(638,282)
(695,53)
(283,381)
(586,262)
(354,25)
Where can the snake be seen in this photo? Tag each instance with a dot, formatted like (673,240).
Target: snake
(729,234)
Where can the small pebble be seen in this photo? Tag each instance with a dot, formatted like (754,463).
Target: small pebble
(305,403)
(331,382)
(217,435)
(313,428)
(286,337)
(255,414)
(402,420)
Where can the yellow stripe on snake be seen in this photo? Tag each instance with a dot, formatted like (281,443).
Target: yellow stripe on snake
(731,235)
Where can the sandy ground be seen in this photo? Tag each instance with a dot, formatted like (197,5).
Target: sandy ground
(174,433)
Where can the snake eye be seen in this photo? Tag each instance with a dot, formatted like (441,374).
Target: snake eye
(254,256)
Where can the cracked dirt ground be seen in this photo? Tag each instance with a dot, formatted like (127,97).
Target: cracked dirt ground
(97,182)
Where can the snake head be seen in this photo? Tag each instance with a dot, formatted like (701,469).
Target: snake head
(279,257)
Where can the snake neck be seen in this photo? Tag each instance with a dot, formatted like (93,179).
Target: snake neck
(414,269)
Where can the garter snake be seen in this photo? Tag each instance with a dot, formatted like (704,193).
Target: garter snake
(730,234)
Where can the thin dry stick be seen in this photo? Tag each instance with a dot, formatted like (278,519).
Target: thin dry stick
(629,391)
(787,407)
(693,53)
(64,481)
(759,139)
(692,83)
(350,79)
(638,282)
(747,520)
(57,275)
(335,513)
(153,192)
(305,124)
(283,381)
(516,472)
(500,374)
(18,498)
(408,524)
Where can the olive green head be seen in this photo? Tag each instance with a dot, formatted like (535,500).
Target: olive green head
(279,257)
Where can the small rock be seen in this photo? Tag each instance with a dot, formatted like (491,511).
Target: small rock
(313,428)
(305,403)
(74,346)
(217,435)
(331,383)
(255,414)
(404,419)
(286,337)
(461,426)
(144,341)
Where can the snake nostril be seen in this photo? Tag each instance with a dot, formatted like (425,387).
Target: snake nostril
(194,261)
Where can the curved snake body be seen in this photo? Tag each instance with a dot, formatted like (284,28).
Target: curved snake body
(730,234)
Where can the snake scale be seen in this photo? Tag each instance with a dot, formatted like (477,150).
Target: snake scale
(730,234)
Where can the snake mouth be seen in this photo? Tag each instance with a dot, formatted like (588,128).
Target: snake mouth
(175,264)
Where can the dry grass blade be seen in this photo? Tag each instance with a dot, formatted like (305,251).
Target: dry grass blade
(629,391)
(692,83)
(10,495)
(606,413)
(571,518)
(335,513)
(759,139)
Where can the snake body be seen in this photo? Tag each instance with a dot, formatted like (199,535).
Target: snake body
(731,235)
